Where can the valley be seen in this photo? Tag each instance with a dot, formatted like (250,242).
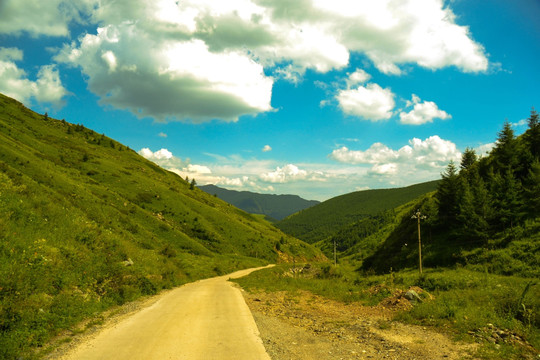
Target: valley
(87,225)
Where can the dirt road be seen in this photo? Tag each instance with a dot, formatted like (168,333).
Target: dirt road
(208,319)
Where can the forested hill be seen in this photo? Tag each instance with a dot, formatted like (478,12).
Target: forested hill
(86,223)
(485,211)
(274,206)
(323,220)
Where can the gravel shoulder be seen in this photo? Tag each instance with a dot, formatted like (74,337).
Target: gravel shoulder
(305,326)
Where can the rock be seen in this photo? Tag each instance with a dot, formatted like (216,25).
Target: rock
(413,297)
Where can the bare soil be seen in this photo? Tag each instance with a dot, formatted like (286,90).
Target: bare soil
(306,326)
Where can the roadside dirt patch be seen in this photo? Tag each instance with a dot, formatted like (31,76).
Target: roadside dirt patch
(306,326)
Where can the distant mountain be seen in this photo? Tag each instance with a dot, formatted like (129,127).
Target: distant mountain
(325,219)
(276,207)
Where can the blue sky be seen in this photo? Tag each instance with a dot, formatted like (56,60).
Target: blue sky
(313,97)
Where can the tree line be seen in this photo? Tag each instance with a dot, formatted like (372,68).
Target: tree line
(487,195)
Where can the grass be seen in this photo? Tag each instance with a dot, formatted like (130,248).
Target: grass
(324,220)
(87,224)
(465,303)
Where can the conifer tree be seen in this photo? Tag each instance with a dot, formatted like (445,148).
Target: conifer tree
(505,151)
(532,190)
(468,159)
(448,194)
(532,135)
(508,202)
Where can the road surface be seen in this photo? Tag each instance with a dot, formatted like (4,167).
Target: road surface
(208,319)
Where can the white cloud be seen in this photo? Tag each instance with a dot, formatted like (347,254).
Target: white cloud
(422,112)
(181,80)
(357,77)
(197,169)
(51,17)
(197,60)
(14,82)
(287,173)
(484,149)
(266,148)
(162,134)
(420,158)
(163,158)
(521,122)
(370,102)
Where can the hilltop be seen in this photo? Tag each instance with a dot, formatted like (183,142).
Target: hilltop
(86,223)
(275,207)
(325,219)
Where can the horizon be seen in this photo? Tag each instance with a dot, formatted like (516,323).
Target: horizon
(316,99)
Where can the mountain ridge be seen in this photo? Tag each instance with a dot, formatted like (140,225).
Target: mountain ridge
(325,219)
(272,205)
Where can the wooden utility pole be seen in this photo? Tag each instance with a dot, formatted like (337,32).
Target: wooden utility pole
(418,215)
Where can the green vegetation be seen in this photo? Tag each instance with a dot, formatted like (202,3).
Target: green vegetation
(484,215)
(502,313)
(86,224)
(275,207)
(324,220)
(480,250)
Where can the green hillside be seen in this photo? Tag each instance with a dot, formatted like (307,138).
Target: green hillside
(324,220)
(86,223)
(485,215)
(273,206)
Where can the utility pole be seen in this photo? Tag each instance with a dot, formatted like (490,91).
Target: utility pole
(418,215)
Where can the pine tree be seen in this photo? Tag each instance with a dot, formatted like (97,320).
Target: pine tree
(532,135)
(468,218)
(532,191)
(468,159)
(505,151)
(508,202)
(448,194)
(193,183)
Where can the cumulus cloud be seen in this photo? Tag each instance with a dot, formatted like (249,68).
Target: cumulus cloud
(51,17)
(287,173)
(427,156)
(357,77)
(292,173)
(266,148)
(197,60)
(422,112)
(14,82)
(169,80)
(484,149)
(370,102)
(163,158)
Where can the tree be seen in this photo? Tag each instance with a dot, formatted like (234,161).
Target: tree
(193,183)
(472,213)
(532,135)
(448,194)
(508,202)
(505,151)
(532,190)
(468,159)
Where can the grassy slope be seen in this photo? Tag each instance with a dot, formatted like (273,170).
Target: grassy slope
(275,206)
(323,220)
(86,223)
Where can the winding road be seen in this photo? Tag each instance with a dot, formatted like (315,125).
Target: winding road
(208,319)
